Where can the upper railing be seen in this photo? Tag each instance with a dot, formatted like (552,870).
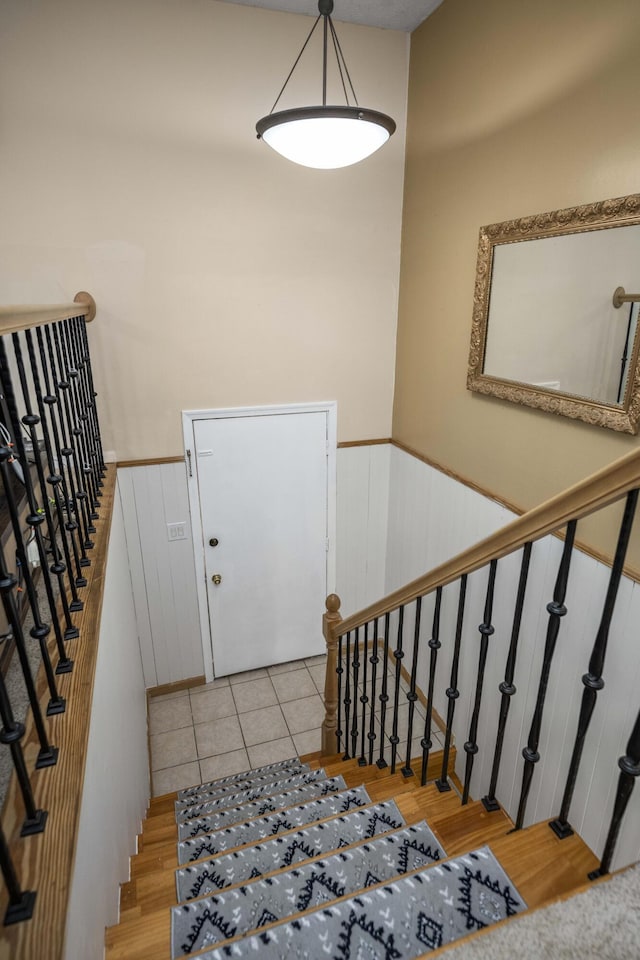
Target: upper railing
(52,547)
(369,713)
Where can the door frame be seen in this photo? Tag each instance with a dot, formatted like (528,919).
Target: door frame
(330,407)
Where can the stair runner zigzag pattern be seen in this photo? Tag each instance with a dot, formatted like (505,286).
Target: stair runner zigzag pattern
(246,796)
(210,792)
(288,850)
(242,910)
(247,811)
(253,831)
(256,773)
(400,920)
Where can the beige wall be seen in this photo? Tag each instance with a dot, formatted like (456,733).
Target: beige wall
(514,108)
(224,275)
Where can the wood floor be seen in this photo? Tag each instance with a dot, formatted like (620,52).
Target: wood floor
(542,867)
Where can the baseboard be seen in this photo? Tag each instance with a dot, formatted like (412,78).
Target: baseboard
(164,688)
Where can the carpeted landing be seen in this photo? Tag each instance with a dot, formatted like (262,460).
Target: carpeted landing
(298,865)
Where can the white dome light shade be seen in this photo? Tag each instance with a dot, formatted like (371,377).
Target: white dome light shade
(326,137)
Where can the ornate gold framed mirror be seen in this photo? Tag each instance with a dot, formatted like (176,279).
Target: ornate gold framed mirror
(555,313)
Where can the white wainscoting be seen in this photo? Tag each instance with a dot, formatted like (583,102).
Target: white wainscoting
(432,517)
(162,571)
(116,782)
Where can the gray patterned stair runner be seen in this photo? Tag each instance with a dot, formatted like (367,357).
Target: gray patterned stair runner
(287,850)
(242,781)
(257,808)
(210,805)
(256,773)
(242,910)
(258,829)
(400,920)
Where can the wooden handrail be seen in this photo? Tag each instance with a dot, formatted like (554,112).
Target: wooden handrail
(15,318)
(597,491)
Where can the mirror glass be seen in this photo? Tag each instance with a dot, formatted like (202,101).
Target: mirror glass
(546,330)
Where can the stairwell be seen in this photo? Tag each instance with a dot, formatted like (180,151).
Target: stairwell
(321,857)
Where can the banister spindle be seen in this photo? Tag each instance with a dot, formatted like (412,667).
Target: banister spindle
(453,693)
(81,418)
(52,400)
(398,655)
(12,733)
(339,672)
(373,660)
(486,630)
(592,680)
(347,697)
(21,902)
(434,646)
(38,514)
(73,432)
(88,404)
(330,622)
(384,696)
(364,698)
(412,696)
(556,610)
(82,331)
(355,664)
(507,687)
(629,770)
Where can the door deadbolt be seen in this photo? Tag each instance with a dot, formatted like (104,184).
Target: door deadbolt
(217,579)
(213,542)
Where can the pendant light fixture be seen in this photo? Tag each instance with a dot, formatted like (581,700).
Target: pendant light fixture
(326,136)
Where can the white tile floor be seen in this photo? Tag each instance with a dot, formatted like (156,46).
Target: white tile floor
(251,719)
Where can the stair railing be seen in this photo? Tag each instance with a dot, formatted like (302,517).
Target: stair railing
(357,639)
(51,479)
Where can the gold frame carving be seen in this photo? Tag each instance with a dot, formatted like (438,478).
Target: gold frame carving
(621,211)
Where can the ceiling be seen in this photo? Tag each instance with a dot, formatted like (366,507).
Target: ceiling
(391,14)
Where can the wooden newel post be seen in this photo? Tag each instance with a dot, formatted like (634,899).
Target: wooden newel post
(330,622)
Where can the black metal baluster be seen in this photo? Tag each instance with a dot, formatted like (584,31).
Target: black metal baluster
(364,698)
(347,697)
(384,697)
(398,654)
(80,417)
(52,401)
(59,567)
(434,645)
(592,680)
(556,610)
(82,362)
(12,733)
(339,671)
(486,630)
(37,514)
(40,630)
(355,663)
(47,755)
(412,696)
(66,385)
(21,902)
(373,660)
(65,457)
(453,693)
(507,687)
(82,330)
(629,770)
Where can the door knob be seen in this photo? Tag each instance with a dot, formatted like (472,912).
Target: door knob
(217,579)
(213,542)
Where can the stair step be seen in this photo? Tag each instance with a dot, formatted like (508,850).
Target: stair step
(293,763)
(270,788)
(189,829)
(285,851)
(403,918)
(209,792)
(250,831)
(242,910)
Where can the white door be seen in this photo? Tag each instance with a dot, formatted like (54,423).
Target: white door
(263,493)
